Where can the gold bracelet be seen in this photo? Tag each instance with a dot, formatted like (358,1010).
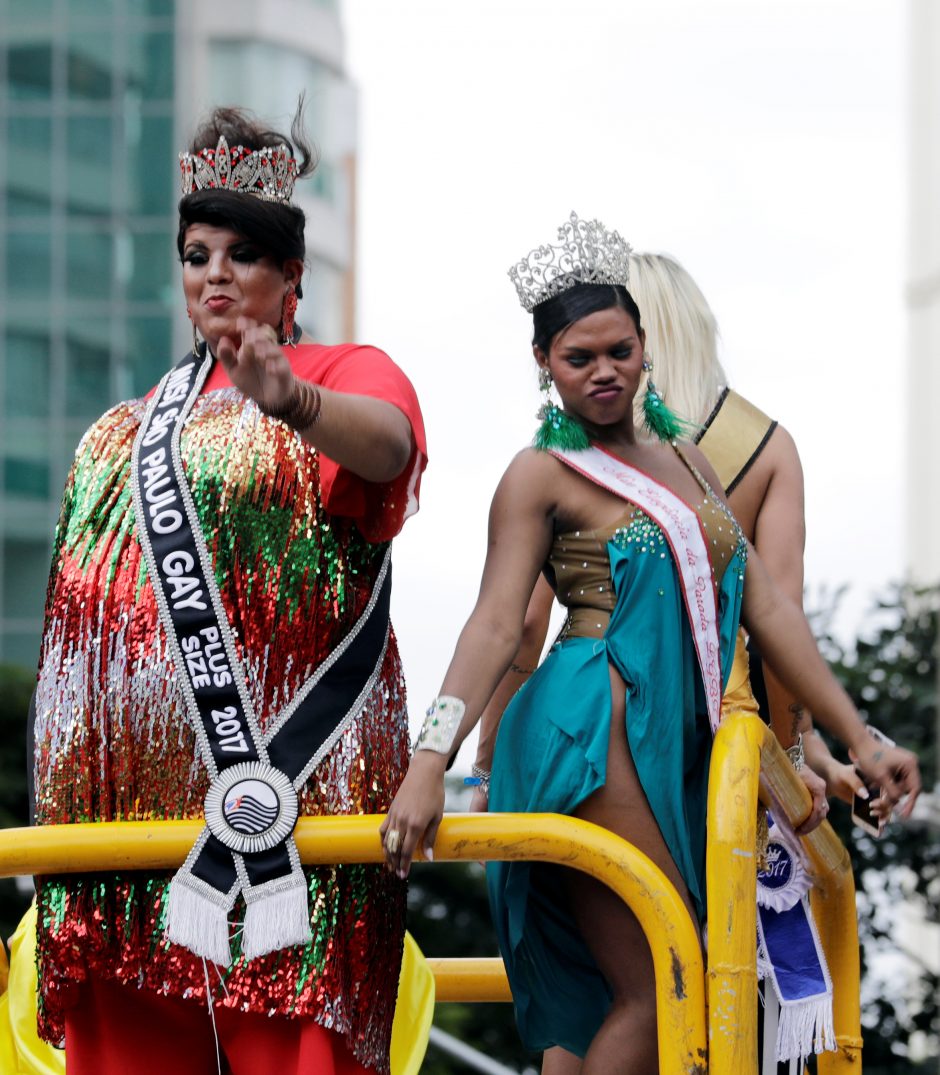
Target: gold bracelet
(300,410)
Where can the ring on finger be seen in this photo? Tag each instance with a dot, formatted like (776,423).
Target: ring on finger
(392,841)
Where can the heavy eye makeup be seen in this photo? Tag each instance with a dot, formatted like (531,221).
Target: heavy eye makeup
(246,253)
(579,358)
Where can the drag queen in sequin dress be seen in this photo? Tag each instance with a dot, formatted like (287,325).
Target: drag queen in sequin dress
(615,726)
(303,462)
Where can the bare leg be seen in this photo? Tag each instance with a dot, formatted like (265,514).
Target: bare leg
(558,1061)
(626,1042)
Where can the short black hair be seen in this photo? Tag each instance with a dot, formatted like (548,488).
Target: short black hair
(277,229)
(555,314)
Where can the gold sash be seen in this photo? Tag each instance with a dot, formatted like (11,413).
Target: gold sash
(733,437)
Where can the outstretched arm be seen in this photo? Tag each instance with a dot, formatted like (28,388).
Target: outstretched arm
(520,533)
(368,436)
(783,636)
(780,539)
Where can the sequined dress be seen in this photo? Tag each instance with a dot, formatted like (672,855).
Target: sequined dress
(625,605)
(296,542)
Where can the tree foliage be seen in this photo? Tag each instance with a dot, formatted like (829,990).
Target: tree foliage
(891,673)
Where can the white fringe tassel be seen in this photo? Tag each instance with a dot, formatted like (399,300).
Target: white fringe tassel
(197,924)
(805,1028)
(276,920)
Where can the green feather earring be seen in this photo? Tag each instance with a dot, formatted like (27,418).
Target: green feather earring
(657,417)
(558,430)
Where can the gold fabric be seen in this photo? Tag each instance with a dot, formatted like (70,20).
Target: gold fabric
(733,436)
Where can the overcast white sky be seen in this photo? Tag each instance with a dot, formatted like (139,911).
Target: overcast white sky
(762,143)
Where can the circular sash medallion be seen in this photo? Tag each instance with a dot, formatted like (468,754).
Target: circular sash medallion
(785,881)
(779,867)
(251,807)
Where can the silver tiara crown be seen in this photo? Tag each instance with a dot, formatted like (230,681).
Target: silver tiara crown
(268,173)
(588,254)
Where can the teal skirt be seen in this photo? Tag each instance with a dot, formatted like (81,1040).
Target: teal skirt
(551,754)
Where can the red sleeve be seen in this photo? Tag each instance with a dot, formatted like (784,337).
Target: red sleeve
(379,508)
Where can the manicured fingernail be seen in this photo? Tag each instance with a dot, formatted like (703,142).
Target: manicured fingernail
(429,854)
(402,874)
(862,793)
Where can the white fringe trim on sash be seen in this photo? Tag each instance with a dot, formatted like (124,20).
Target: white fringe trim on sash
(197,923)
(276,918)
(805,1027)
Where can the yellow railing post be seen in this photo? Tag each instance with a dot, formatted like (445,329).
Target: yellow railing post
(747,761)
(731,878)
(677,958)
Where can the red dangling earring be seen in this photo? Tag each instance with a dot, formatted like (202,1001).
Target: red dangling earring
(288,309)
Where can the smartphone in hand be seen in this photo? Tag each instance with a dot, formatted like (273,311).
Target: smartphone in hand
(861,808)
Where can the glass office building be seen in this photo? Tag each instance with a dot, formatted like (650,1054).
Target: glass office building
(96,99)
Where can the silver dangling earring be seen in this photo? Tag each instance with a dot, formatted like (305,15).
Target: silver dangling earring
(545,379)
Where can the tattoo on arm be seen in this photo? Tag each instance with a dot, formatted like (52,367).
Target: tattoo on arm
(520,671)
(797,710)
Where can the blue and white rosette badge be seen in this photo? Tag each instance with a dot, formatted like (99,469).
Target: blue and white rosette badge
(785,881)
(790,954)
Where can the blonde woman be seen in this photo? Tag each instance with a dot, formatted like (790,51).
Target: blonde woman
(759,466)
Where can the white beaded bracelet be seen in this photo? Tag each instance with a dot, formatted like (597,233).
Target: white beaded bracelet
(440,724)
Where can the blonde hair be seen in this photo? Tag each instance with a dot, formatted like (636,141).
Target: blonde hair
(681,337)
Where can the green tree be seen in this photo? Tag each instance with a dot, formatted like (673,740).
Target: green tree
(891,673)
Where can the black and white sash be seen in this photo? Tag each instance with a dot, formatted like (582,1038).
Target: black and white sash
(251,806)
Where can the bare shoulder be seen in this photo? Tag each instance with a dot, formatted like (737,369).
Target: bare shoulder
(531,480)
(781,452)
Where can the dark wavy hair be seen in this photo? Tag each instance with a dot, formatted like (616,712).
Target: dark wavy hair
(277,229)
(555,314)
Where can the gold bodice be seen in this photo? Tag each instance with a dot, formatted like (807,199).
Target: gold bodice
(579,562)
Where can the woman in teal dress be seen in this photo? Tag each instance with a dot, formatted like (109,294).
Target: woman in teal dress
(616,726)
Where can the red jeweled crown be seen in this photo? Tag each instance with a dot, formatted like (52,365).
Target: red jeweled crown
(268,173)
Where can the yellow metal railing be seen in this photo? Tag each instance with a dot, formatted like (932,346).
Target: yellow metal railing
(747,764)
(677,958)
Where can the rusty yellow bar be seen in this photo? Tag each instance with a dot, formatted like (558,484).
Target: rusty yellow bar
(746,761)
(833,905)
(469,980)
(731,879)
(673,940)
